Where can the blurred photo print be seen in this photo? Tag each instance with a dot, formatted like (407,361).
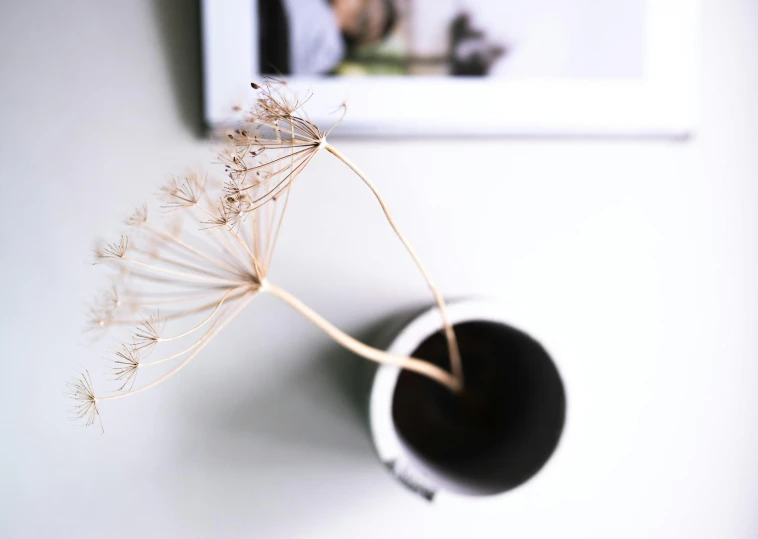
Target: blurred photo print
(518,67)
(452,37)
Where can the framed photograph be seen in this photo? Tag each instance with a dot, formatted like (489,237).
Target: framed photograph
(463,67)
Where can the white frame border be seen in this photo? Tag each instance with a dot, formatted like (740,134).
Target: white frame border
(664,102)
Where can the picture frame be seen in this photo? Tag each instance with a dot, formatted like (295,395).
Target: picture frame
(662,102)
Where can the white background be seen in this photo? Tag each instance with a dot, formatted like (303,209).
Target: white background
(633,261)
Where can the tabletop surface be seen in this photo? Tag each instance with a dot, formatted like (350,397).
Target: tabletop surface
(632,261)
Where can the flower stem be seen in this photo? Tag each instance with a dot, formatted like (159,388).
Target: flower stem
(455,356)
(213,260)
(205,321)
(182,274)
(189,358)
(380,356)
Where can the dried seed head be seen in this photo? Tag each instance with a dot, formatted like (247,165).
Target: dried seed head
(276,137)
(101,311)
(85,402)
(184,193)
(276,102)
(174,269)
(98,319)
(111,299)
(227,214)
(138,217)
(125,365)
(236,191)
(148,333)
(113,250)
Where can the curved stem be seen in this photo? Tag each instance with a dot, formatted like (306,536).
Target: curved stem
(380,356)
(221,240)
(168,297)
(236,236)
(174,315)
(182,274)
(455,356)
(191,347)
(213,260)
(189,357)
(201,324)
(175,263)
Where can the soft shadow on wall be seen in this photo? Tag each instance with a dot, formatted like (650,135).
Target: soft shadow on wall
(321,402)
(180,34)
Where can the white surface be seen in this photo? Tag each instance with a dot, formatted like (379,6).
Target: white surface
(663,102)
(638,258)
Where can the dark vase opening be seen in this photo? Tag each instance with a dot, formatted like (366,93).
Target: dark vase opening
(505,425)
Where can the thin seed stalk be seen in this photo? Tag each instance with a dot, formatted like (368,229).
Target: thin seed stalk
(189,358)
(456,366)
(373,354)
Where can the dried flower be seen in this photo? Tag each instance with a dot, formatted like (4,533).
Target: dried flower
(148,333)
(275,144)
(201,268)
(85,403)
(101,311)
(113,250)
(98,319)
(183,193)
(125,365)
(180,271)
(138,217)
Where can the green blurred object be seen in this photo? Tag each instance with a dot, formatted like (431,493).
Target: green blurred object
(353,68)
(386,58)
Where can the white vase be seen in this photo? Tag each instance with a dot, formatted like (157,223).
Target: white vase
(492,440)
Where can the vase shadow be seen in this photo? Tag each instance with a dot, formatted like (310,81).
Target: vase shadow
(301,436)
(319,403)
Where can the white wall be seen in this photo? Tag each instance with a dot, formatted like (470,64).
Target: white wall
(633,261)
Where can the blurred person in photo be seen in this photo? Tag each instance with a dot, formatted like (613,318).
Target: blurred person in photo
(312,37)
